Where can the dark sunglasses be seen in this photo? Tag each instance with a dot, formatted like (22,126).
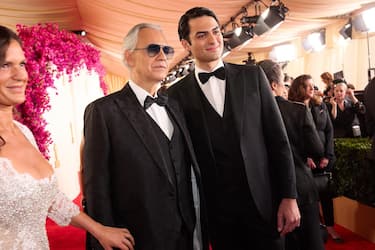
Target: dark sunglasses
(154,49)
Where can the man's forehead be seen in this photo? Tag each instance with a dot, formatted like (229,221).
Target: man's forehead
(203,24)
(149,36)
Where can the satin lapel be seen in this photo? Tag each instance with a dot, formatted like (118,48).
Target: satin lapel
(176,115)
(198,117)
(236,85)
(131,108)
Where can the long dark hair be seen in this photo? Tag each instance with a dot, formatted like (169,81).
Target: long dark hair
(6,36)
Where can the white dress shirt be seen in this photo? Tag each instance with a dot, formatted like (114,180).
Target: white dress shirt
(158,113)
(213,89)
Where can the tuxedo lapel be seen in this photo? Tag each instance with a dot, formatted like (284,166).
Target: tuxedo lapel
(198,117)
(130,107)
(236,87)
(177,116)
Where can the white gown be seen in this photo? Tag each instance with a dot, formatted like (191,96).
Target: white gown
(26,202)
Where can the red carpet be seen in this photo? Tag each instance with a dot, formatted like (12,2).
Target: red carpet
(65,238)
(352,241)
(70,238)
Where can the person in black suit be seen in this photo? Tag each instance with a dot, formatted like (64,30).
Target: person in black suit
(305,142)
(369,101)
(302,90)
(240,141)
(138,159)
(345,110)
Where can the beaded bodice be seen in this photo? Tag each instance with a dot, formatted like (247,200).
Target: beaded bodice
(25,203)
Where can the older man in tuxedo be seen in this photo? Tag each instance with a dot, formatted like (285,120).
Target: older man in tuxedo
(240,141)
(138,159)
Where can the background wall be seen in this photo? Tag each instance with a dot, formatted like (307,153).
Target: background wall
(65,123)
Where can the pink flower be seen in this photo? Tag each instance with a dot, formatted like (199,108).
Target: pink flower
(45,44)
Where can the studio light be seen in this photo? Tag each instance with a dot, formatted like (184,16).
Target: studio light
(283,53)
(275,15)
(346,31)
(233,40)
(316,41)
(79,32)
(270,18)
(365,22)
(249,25)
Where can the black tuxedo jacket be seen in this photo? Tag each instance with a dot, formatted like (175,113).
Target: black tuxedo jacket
(369,99)
(323,123)
(305,142)
(264,144)
(125,181)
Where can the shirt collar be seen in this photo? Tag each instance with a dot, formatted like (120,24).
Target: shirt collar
(199,70)
(139,92)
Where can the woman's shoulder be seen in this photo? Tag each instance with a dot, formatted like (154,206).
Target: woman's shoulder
(26,131)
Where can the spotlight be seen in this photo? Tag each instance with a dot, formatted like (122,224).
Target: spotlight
(283,53)
(79,32)
(365,21)
(276,15)
(270,18)
(346,31)
(233,40)
(315,41)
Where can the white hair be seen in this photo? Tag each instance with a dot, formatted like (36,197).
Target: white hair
(131,39)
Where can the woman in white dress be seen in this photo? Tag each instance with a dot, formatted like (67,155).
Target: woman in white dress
(28,185)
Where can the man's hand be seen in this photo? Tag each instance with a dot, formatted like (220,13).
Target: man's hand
(288,216)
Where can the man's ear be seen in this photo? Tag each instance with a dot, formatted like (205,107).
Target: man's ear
(273,85)
(128,57)
(185,44)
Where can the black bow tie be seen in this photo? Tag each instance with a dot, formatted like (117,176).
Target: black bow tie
(161,100)
(219,73)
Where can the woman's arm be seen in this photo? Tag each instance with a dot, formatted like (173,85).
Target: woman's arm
(64,212)
(107,236)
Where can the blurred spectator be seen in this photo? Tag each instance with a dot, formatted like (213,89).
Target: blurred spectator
(344,108)
(327,79)
(304,141)
(302,90)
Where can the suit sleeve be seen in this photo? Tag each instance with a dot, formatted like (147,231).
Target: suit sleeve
(328,131)
(313,144)
(96,178)
(279,150)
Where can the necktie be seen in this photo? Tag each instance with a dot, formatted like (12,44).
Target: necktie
(219,73)
(161,100)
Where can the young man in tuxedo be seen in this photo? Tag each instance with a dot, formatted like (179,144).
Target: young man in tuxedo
(138,159)
(240,142)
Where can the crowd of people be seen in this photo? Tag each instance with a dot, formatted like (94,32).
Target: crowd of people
(224,158)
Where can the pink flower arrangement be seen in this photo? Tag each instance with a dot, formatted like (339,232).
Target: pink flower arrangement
(46,45)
